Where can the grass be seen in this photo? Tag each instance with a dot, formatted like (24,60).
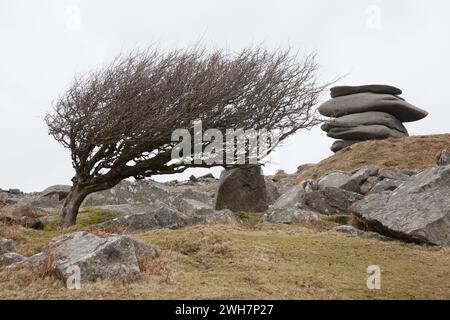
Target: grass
(415,152)
(30,241)
(229,261)
(254,261)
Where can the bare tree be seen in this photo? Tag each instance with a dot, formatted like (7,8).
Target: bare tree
(117,121)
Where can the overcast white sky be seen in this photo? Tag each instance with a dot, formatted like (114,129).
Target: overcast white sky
(405,43)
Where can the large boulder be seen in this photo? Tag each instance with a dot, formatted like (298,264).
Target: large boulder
(364,102)
(365,119)
(50,198)
(242,189)
(32,222)
(159,216)
(330,200)
(97,257)
(361,133)
(339,179)
(418,210)
(127,192)
(339,91)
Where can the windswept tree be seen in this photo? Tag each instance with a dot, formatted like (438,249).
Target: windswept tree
(118,121)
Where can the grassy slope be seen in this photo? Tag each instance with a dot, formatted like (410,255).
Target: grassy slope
(263,262)
(416,152)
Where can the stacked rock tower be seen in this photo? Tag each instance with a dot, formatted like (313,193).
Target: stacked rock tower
(369,112)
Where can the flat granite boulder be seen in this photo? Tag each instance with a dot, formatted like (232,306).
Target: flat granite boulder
(330,201)
(339,91)
(418,210)
(159,216)
(361,133)
(97,257)
(363,119)
(364,102)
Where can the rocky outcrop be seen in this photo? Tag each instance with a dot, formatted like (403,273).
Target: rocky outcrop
(307,200)
(242,189)
(11,196)
(159,217)
(162,216)
(145,199)
(366,102)
(367,113)
(329,201)
(417,210)
(128,192)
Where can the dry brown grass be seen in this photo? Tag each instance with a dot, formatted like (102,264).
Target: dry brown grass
(416,152)
(207,187)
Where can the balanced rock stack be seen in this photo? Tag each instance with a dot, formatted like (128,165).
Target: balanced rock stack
(367,112)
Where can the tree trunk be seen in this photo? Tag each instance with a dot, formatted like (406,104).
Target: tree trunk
(69,212)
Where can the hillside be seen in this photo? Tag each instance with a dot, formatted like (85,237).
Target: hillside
(246,259)
(415,152)
(228,261)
